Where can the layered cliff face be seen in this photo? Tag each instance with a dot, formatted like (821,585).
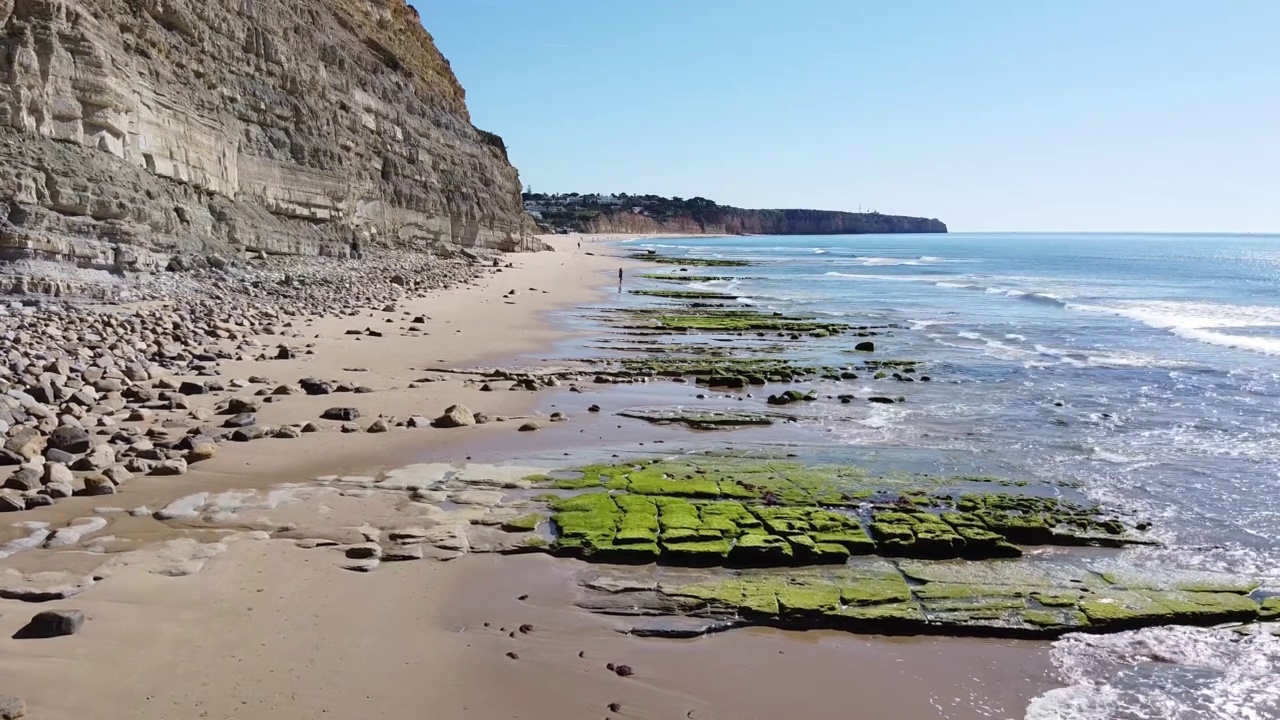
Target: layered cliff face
(133,131)
(736,221)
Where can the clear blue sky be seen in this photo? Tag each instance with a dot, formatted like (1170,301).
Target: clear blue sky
(1093,115)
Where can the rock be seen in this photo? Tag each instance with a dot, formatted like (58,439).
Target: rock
(241,420)
(170,467)
(364,551)
(310,427)
(344,414)
(530,427)
(99,485)
(866,346)
(378,426)
(455,416)
(237,406)
(26,443)
(69,439)
(312,386)
(58,456)
(402,553)
(53,623)
(558,417)
(118,474)
(594,409)
(199,448)
(12,708)
(25,479)
(102,457)
(57,473)
(418,421)
(288,432)
(250,433)
(481,418)
(191,387)
(880,399)
(11,503)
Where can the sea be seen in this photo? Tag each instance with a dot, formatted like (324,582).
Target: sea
(1144,368)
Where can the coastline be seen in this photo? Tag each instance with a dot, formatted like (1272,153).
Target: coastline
(249,636)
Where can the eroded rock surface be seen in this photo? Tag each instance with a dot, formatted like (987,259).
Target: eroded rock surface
(184,133)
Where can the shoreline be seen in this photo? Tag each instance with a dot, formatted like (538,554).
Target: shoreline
(415,633)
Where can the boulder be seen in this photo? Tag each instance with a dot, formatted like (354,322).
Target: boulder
(455,416)
(866,346)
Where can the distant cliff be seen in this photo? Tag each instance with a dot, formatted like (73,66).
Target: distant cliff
(696,216)
(132,131)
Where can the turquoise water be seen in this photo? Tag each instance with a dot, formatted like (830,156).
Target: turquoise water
(1146,368)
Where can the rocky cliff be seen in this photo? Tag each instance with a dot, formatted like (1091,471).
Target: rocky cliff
(134,131)
(736,221)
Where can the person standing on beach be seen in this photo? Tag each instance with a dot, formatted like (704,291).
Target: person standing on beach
(619,276)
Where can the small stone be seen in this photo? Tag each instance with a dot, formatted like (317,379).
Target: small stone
(513,656)
(53,623)
(378,426)
(867,346)
(200,448)
(558,417)
(250,433)
(11,503)
(312,386)
(530,427)
(190,387)
(288,432)
(594,409)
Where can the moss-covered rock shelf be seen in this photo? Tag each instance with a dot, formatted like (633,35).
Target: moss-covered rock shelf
(997,598)
(748,512)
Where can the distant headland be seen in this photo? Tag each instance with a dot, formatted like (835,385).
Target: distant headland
(623,213)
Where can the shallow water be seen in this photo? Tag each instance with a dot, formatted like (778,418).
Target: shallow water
(1146,368)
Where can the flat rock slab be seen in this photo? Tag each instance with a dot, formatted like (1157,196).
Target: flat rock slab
(51,624)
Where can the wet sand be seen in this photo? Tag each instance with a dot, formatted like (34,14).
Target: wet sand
(270,630)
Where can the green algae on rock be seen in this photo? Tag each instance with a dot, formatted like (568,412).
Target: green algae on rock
(689,262)
(698,419)
(685,294)
(725,321)
(872,595)
(818,514)
(689,278)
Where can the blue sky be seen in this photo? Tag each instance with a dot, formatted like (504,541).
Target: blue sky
(1090,115)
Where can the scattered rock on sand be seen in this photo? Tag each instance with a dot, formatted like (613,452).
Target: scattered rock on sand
(176,466)
(378,426)
(455,416)
(343,414)
(53,623)
(530,427)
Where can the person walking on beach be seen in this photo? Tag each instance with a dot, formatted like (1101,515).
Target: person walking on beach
(619,276)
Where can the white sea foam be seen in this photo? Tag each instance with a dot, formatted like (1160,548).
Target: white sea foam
(1199,321)
(1172,673)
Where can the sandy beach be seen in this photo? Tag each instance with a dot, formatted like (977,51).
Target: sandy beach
(269,629)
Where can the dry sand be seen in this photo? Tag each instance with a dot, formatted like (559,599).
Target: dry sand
(269,630)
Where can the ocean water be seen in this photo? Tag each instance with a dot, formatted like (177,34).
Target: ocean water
(1146,368)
